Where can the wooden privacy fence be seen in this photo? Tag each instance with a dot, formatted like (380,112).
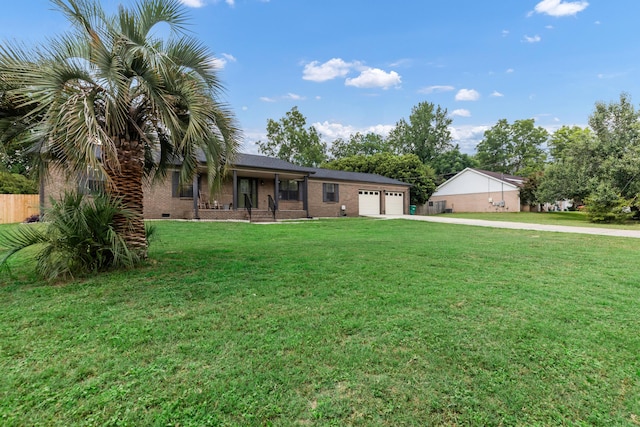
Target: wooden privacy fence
(18,207)
(432,208)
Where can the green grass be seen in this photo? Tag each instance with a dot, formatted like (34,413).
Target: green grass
(333,322)
(574,219)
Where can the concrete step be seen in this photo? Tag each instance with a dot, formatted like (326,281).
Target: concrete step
(261,216)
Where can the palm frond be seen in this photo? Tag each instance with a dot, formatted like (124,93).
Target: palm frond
(78,237)
(152,12)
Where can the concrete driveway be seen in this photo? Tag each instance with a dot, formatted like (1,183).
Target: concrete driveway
(517,225)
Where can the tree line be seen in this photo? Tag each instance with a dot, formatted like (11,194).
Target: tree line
(596,166)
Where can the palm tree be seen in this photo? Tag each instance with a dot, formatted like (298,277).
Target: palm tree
(115,98)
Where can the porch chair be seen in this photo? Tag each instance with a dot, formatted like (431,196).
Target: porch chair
(203,201)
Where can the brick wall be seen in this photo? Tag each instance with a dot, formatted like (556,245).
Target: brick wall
(480,202)
(159,202)
(54,186)
(348,197)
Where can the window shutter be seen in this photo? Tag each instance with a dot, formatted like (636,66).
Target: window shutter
(175,184)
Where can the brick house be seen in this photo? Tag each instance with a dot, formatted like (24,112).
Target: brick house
(271,187)
(476,190)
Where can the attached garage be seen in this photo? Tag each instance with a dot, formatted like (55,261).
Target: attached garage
(394,203)
(368,202)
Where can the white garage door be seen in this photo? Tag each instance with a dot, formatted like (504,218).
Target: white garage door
(368,202)
(394,203)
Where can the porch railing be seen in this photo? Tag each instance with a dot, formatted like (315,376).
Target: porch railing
(272,206)
(247,204)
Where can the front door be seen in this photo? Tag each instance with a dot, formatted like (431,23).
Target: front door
(248,186)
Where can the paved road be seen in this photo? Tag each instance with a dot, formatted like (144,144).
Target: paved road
(518,225)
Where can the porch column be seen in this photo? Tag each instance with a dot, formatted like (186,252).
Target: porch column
(305,196)
(276,190)
(235,190)
(196,196)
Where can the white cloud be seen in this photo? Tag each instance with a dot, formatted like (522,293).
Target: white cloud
(331,131)
(467,137)
(294,96)
(201,3)
(220,63)
(401,63)
(375,77)
(509,70)
(267,99)
(437,88)
(597,22)
(505,33)
(496,94)
(461,113)
(383,130)
(534,39)
(467,95)
(229,57)
(333,68)
(612,75)
(560,8)
(192,3)
(245,108)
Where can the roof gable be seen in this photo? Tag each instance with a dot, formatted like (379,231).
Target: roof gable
(474,181)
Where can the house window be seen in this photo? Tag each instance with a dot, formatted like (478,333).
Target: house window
(92,182)
(177,190)
(330,192)
(289,190)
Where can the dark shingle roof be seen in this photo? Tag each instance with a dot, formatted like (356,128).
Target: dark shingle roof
(259,162)
(355,176)
(264,162)
(272,163)
(511,179)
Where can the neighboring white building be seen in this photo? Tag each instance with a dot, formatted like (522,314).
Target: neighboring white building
(475,190)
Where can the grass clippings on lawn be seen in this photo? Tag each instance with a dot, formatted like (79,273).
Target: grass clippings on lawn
(336,322)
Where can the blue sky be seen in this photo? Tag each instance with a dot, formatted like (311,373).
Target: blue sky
(361,65)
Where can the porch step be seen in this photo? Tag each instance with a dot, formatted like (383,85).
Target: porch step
(261,216)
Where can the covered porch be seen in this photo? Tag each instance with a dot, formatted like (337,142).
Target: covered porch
(252,193)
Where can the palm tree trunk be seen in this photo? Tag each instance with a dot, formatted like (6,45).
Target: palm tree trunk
(127,184)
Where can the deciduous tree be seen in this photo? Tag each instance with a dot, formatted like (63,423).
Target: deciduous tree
(407,168)
(515,149)
(426,134)
(359,145)
(573,172)
(289,139)
(600,166)
(451,162)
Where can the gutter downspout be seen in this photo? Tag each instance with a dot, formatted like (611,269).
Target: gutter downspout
(235,190)
(276,190)
(305,200)
(196,197)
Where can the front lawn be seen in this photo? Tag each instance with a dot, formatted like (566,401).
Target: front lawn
(332,322)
